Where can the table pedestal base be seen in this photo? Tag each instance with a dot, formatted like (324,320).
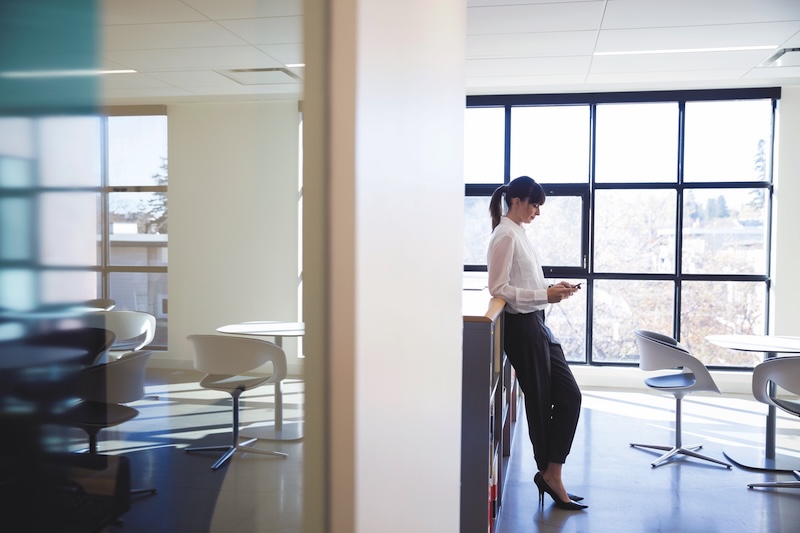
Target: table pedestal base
(267,431)
(756,460)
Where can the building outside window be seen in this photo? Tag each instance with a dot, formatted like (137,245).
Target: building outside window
(660,203)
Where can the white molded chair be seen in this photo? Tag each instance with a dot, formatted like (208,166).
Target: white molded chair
(103,391)
(784,372)
(134,329)
(225,359)
(660,352)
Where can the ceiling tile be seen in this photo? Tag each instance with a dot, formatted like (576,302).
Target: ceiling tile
(273,30)
(241,9)
(677,62)
(146,11)
(662,13)
(168,35)
(193,58)
(729,35)
(773,72)
(535,18)
(194,78)
(527,66)
(531,44)
(285,53)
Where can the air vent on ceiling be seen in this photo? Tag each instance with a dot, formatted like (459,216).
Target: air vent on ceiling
(261,76)
(785,57)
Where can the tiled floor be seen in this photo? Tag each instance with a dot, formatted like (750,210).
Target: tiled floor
(251,493)
(625,495)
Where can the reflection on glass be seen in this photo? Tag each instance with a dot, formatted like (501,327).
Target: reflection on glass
(15,172)
(70,151)
(728,141)
(68,286)
(137,150)
(477,229)
(68,228)
(16,229)
(142,291)
(556,232)
(722,308)
(724,231)
(567,321)
(550,143)
(635,231)
(637,142)
(622,306)
(484,148)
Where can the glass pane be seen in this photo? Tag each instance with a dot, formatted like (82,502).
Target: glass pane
(725,231)
(15,172)
(728,141)
(635,231)
(484,145)
(136,218)
(16,137)
(16,229)
(550,144)
(17,289)
(567,321)
(620,307)
(70,152)
(477,229)
(140,291)
(68,229)
(137,150)
(637,142)
(556,232)
(722,308)
(68,287)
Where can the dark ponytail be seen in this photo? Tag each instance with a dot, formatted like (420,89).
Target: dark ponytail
(523,188)
(494,205)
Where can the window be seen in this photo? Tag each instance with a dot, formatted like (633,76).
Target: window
(660,203)
(83,212)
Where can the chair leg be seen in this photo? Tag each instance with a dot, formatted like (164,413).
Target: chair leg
(779,484)
(235,444)
(678,448)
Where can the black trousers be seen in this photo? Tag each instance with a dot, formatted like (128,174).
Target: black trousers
(552,396)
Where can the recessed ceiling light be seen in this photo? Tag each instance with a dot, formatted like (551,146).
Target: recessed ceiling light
(688,50)
(60,73)
(295,65)
(785,57)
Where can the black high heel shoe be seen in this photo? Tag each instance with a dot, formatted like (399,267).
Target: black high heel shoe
(573,497)
(544,487)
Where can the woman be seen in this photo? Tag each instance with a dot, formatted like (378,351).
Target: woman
(552,397)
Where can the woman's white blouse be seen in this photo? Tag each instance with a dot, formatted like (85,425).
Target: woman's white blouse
(515,274)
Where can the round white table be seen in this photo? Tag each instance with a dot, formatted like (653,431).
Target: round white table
(279,430)
(771,345)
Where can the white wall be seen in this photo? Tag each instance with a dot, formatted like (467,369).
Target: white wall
(391,104)
(786,233)
(233,219)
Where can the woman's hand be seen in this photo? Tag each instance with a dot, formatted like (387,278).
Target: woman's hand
(560,291)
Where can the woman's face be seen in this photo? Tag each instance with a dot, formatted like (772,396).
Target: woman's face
(524,211)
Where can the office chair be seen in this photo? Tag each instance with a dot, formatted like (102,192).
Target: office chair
(224,359)
(102,304)
(103,391)
(96,342)
(784,372)
(134,329)
(659,352)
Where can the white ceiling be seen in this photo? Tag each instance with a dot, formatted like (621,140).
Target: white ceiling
(185,50)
